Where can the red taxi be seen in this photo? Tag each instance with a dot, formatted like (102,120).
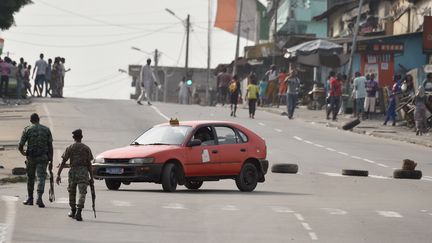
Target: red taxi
(187,153)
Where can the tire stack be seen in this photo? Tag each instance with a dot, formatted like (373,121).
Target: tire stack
(408,171)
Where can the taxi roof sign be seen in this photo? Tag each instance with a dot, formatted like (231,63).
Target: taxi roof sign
(174,122)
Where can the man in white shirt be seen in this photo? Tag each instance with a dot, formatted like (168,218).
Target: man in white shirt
(41,66)
(147,81)
(359,93)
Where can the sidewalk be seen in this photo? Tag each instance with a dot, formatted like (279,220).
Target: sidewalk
(372,127)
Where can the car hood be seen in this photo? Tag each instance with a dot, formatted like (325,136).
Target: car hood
(136,151)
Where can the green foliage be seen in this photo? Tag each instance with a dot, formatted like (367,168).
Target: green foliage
(7,10)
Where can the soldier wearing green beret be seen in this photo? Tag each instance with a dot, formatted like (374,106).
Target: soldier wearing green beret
(39,155)
(80,173)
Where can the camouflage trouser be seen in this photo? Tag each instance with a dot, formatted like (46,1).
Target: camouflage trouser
(78,177)
(36,166)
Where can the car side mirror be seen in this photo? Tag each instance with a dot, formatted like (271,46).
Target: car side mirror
(195,142)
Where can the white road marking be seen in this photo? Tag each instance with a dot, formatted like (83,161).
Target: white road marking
(313,236)
(369,161)
(331,149)
(261,124)
(50,121)
(298,138)
(159,112)
(430,214)
(343,153)
(356,157)
(426,179)
(282,210)
(306,226)
(319,145)
(335,211)
(382,165)
(380,177)
(331,174)
(3,232)
(395,168)
(390,214)
(10,217)
(278,130)
(299,217)
(121,203)
(308,142)
(423,211)
(62,200)
(230,208)
(174,206)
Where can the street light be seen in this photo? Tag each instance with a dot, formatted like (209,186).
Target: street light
(187,26)
(122,70)
(138,49)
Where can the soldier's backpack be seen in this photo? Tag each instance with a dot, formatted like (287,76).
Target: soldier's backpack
(232,87)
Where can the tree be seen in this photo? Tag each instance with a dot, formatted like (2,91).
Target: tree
(7,10)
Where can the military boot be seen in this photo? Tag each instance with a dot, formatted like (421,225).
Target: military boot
(29,201)
(78,214)
(72,213)
(39,202)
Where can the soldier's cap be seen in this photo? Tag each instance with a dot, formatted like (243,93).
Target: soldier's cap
(34,117)
(77,133)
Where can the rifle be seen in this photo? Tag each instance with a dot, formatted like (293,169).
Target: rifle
(93,193)
(51,190)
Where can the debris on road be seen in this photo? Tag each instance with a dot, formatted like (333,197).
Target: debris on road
(19,171)
(347,172)
(285,168)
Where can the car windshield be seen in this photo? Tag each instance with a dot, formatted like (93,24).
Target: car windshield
(163,135)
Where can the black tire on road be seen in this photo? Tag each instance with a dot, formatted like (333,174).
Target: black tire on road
(407,174)
(247,180)
(350,125)
(19,171)
(112,184)
(193,185)
(355,172)
(169,178)
(284,168)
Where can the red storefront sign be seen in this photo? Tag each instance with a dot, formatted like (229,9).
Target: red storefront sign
(427,34)
(381,47)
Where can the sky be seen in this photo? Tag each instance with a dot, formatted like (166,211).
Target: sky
(96,38)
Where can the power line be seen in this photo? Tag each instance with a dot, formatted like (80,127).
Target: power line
(91,35)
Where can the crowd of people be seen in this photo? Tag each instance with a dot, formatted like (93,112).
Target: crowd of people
(48,77)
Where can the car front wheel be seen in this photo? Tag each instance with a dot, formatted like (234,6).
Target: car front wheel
(112,184)
(247,180)
(193,185)
(169,178)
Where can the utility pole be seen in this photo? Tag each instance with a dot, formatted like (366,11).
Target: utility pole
(275,31)
(207,94)
(354,42)
(187,45)
(238,38)
(155,71)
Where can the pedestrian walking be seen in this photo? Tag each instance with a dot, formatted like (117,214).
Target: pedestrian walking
(223,79)
(371,90)
(359,94)
(80,174)
(27,85)
(55,78)
(183,92)
(40,70)
(5,71)
(48,86)
(235,92)
(272,77)
(282,86)
(39,155)
(63,71)
(293,84)
(252,94)
(391,109)
(335,93)
(147,82)
(263,84)
(20,79)
(420,111)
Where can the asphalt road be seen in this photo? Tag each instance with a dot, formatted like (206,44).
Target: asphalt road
(317,204)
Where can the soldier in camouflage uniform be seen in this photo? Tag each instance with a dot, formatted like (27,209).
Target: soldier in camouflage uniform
(39,155)
(80,157)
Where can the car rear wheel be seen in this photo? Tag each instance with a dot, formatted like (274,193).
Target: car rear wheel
(193,185)
(247,180)
(169,178)
(112,184)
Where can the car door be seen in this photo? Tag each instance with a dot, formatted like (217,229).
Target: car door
(201,160)
(231,149)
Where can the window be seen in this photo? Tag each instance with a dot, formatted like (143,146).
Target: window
(226,135)
(205,134)
(243,136)
(164,135)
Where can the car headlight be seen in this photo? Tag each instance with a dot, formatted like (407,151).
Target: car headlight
(99,160)
(141,161)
